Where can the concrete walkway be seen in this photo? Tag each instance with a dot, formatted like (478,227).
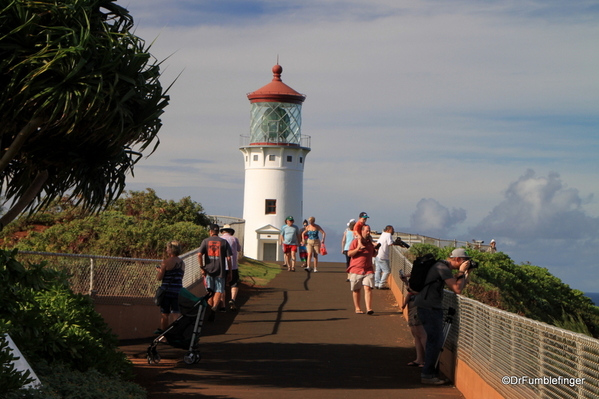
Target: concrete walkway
(296,338)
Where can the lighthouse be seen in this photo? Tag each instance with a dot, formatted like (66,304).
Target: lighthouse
(274,155)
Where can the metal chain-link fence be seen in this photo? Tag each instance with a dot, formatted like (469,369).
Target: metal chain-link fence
(517,356)
(112,280)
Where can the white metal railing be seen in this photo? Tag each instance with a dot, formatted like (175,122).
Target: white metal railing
(517,356)
(244,141)
(439,242)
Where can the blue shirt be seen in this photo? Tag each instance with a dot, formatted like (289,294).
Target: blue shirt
(290,234)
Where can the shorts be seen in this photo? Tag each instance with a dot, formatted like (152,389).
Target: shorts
(288,248)
(170,303)
(216,284)
(413,319)
(313,247)
(234,278)
(356,281)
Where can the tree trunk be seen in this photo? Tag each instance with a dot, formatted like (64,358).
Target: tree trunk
(18,142)
(34,189)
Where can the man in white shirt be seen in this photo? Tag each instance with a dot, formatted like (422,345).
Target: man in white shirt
(382,259)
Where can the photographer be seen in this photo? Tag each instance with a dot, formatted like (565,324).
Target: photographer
(430,306)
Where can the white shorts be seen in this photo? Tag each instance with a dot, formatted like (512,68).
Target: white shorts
(356,281)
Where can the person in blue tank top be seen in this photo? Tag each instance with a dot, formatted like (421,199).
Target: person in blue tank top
(170,272)
(312,242)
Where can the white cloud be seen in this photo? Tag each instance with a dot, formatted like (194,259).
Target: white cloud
(433,219)
(538,207)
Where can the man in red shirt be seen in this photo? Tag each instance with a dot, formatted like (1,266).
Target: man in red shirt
(361,272)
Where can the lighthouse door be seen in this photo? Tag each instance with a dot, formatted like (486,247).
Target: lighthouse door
(270,252)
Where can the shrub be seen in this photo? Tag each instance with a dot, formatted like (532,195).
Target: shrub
(61,382)
(49,322)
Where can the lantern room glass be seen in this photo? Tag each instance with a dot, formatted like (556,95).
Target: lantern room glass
(276,123)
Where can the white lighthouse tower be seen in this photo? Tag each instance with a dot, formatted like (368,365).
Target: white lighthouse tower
(274,155)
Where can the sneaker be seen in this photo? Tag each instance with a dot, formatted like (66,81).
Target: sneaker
(232,305)
(307,269)
(433,381)
(315,271)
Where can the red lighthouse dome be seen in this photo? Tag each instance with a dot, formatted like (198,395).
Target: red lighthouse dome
(276,91)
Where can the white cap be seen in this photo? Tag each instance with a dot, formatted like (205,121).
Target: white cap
(493,240)
(350,220)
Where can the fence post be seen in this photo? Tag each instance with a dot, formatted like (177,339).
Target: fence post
(91,276)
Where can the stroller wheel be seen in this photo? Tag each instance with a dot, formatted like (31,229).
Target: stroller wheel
(198,357)
(190,358)
(150,360)
(157,358)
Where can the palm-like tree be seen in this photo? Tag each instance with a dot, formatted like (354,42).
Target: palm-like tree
(80,101)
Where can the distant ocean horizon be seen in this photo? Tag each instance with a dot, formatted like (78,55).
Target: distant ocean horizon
(594,297)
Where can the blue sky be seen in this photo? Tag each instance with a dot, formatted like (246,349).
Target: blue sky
(456,119)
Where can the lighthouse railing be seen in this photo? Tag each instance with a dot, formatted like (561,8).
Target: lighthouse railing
(244,141)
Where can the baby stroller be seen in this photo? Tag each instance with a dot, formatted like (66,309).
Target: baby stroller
(184,333)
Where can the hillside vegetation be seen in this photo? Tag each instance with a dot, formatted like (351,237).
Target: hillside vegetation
(138,225)
(524,289)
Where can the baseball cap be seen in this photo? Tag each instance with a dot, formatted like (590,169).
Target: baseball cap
(289,218)
(350,221)
(493,240)
(459,253)
(364,215)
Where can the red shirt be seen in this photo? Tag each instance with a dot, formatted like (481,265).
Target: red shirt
(361,262)
(358,227)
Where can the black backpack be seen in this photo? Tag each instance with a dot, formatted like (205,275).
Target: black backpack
(420,269)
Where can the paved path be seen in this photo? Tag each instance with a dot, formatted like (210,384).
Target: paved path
(296,338)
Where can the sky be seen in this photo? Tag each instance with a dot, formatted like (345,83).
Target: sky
(458,119)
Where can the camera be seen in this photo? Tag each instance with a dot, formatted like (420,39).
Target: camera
(473,264)
(401,243)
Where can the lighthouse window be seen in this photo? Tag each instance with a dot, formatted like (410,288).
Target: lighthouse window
(255,157)
(301,159)
(289,158)
(272,157)
(271,207)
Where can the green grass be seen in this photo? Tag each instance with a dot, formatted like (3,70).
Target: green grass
(256,272)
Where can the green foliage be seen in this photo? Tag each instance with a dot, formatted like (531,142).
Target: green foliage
(60,382)
(48,322)
(148,206)
(531,291)
(417,250)
(81,98)
(137,225)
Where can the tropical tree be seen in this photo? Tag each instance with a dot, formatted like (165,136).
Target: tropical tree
(80,102)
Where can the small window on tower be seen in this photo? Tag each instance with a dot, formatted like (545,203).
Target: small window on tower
(271,207)
(246,158)
(255,157)
(301,159)
(289,158)
(272,157)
